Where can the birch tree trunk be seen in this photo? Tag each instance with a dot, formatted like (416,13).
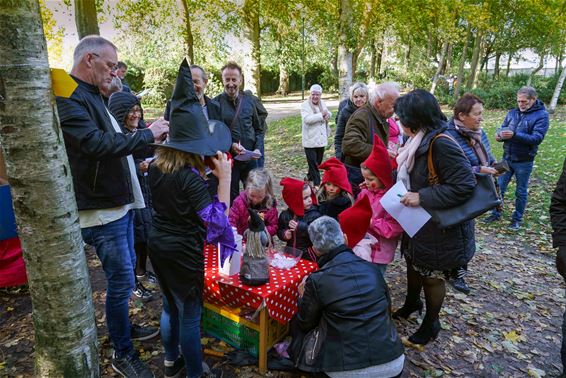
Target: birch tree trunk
(189,40)
(85,18)
(475,59)
(535,70)
(460,79)
(345,74)
(441,65)
(44,200)
(557,90)
(283,89)
(252,78)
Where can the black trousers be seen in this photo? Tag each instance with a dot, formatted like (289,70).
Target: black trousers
(314,159)
(240,171)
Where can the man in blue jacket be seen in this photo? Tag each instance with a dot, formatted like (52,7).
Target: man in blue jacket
(522,131)
(107,188)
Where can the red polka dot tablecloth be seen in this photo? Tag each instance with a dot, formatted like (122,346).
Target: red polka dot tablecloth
(279,295)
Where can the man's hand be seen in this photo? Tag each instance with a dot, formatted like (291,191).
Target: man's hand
(488,170)
(411,199)
(237,148)
(561,261)
(506,134)
(159,129)
(144,165)
(301,287)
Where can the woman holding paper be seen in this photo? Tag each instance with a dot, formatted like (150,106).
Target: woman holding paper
(432,253)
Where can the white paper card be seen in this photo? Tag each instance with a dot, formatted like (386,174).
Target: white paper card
(412,219)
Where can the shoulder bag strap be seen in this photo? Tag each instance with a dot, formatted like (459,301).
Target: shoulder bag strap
(432,174)
(237,110)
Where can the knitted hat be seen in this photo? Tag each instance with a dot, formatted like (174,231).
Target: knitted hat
(189,131)
(355,221)
(256,224)
(379,164)
(293,195)
(335,173)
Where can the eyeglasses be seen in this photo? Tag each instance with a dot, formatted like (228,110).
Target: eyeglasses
(134,112)
(111,66)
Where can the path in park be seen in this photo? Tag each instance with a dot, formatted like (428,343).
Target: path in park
(278,110)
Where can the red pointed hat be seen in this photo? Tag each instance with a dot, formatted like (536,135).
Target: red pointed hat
(355,221)
(293,195)
(335,173)
(379,163)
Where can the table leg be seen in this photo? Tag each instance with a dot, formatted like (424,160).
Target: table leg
(263,341)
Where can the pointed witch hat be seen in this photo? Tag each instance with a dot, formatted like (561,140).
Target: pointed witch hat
(189,131)
(256,224)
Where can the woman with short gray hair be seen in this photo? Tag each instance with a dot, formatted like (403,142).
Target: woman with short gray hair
(347,300)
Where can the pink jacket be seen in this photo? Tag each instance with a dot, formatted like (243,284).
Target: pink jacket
(383,227)
(394,131)
(239,215)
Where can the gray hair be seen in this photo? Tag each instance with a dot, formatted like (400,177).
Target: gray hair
(356,86)
(90,44)
(115,86)
(202,71)
(530,92)
(325,234)
(382,90)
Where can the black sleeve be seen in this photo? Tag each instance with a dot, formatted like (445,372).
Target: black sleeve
(259,126)
(283,224)
(82,133)
(194,188)
(310,308)
(342,119)
(558,211)
(457,181)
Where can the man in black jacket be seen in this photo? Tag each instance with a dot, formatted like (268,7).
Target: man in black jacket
(106,188)
(347,299)
(558,221)
(239,112)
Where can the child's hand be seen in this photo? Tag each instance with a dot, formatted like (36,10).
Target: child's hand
(363,185)
(288,234)
(293,225)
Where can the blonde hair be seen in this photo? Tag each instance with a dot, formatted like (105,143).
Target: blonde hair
(260,179)
(168,160)
(322,196)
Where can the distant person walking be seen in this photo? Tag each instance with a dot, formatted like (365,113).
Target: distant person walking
(522,131)
(315,131)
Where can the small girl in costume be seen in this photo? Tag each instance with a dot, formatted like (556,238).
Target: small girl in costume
(335,193)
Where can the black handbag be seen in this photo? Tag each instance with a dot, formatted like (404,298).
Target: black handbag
(308,358)
(484,196)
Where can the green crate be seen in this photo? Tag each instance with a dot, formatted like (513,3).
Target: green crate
(232,332)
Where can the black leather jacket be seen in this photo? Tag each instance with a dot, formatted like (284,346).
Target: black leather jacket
(97,153)
(351,296)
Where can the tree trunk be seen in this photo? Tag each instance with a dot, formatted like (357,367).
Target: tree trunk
(283,89)
(460,79)
(496,65)
(448,64)
(441,65)
(189,40)
(509,64)
(557,90)
(535,70)
(344,53)
(408,57)
(252,30)
(44,200)
(85,18)
(373,58)
(355,56)
(475,59)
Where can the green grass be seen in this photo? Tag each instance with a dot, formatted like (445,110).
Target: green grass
(286,155)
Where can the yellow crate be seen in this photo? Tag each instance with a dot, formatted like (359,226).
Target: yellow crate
(225,324)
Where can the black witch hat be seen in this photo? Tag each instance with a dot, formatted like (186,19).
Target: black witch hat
(256,224)
(189,131)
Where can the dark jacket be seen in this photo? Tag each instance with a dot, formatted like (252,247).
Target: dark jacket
(351,296)
(341,106)
(341,121)
(358,137)
(432,247)
(247,128)
(467,148)
(300,239)
(529,129)
(335,206)
(558,211)
(97,153)
(119,105)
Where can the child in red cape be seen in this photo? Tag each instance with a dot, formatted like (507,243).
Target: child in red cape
(335,193)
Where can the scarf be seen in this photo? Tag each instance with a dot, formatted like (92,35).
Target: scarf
(406,158)
(474,140)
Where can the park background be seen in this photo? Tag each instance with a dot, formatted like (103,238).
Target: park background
(510,324)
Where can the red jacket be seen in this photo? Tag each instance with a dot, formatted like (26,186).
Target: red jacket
(239,215)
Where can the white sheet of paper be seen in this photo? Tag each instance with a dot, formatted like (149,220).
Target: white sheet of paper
(247,155)
(412,219)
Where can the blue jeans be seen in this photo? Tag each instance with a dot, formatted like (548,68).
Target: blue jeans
(114,244)
(180,324)
(522,171)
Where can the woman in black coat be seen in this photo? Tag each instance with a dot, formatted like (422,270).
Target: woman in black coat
(432,253)
(358,98)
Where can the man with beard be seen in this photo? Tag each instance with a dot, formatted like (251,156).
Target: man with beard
(239,112)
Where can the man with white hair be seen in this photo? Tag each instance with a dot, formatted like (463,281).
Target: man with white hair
(348,297)
(363,124)
(106,188)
